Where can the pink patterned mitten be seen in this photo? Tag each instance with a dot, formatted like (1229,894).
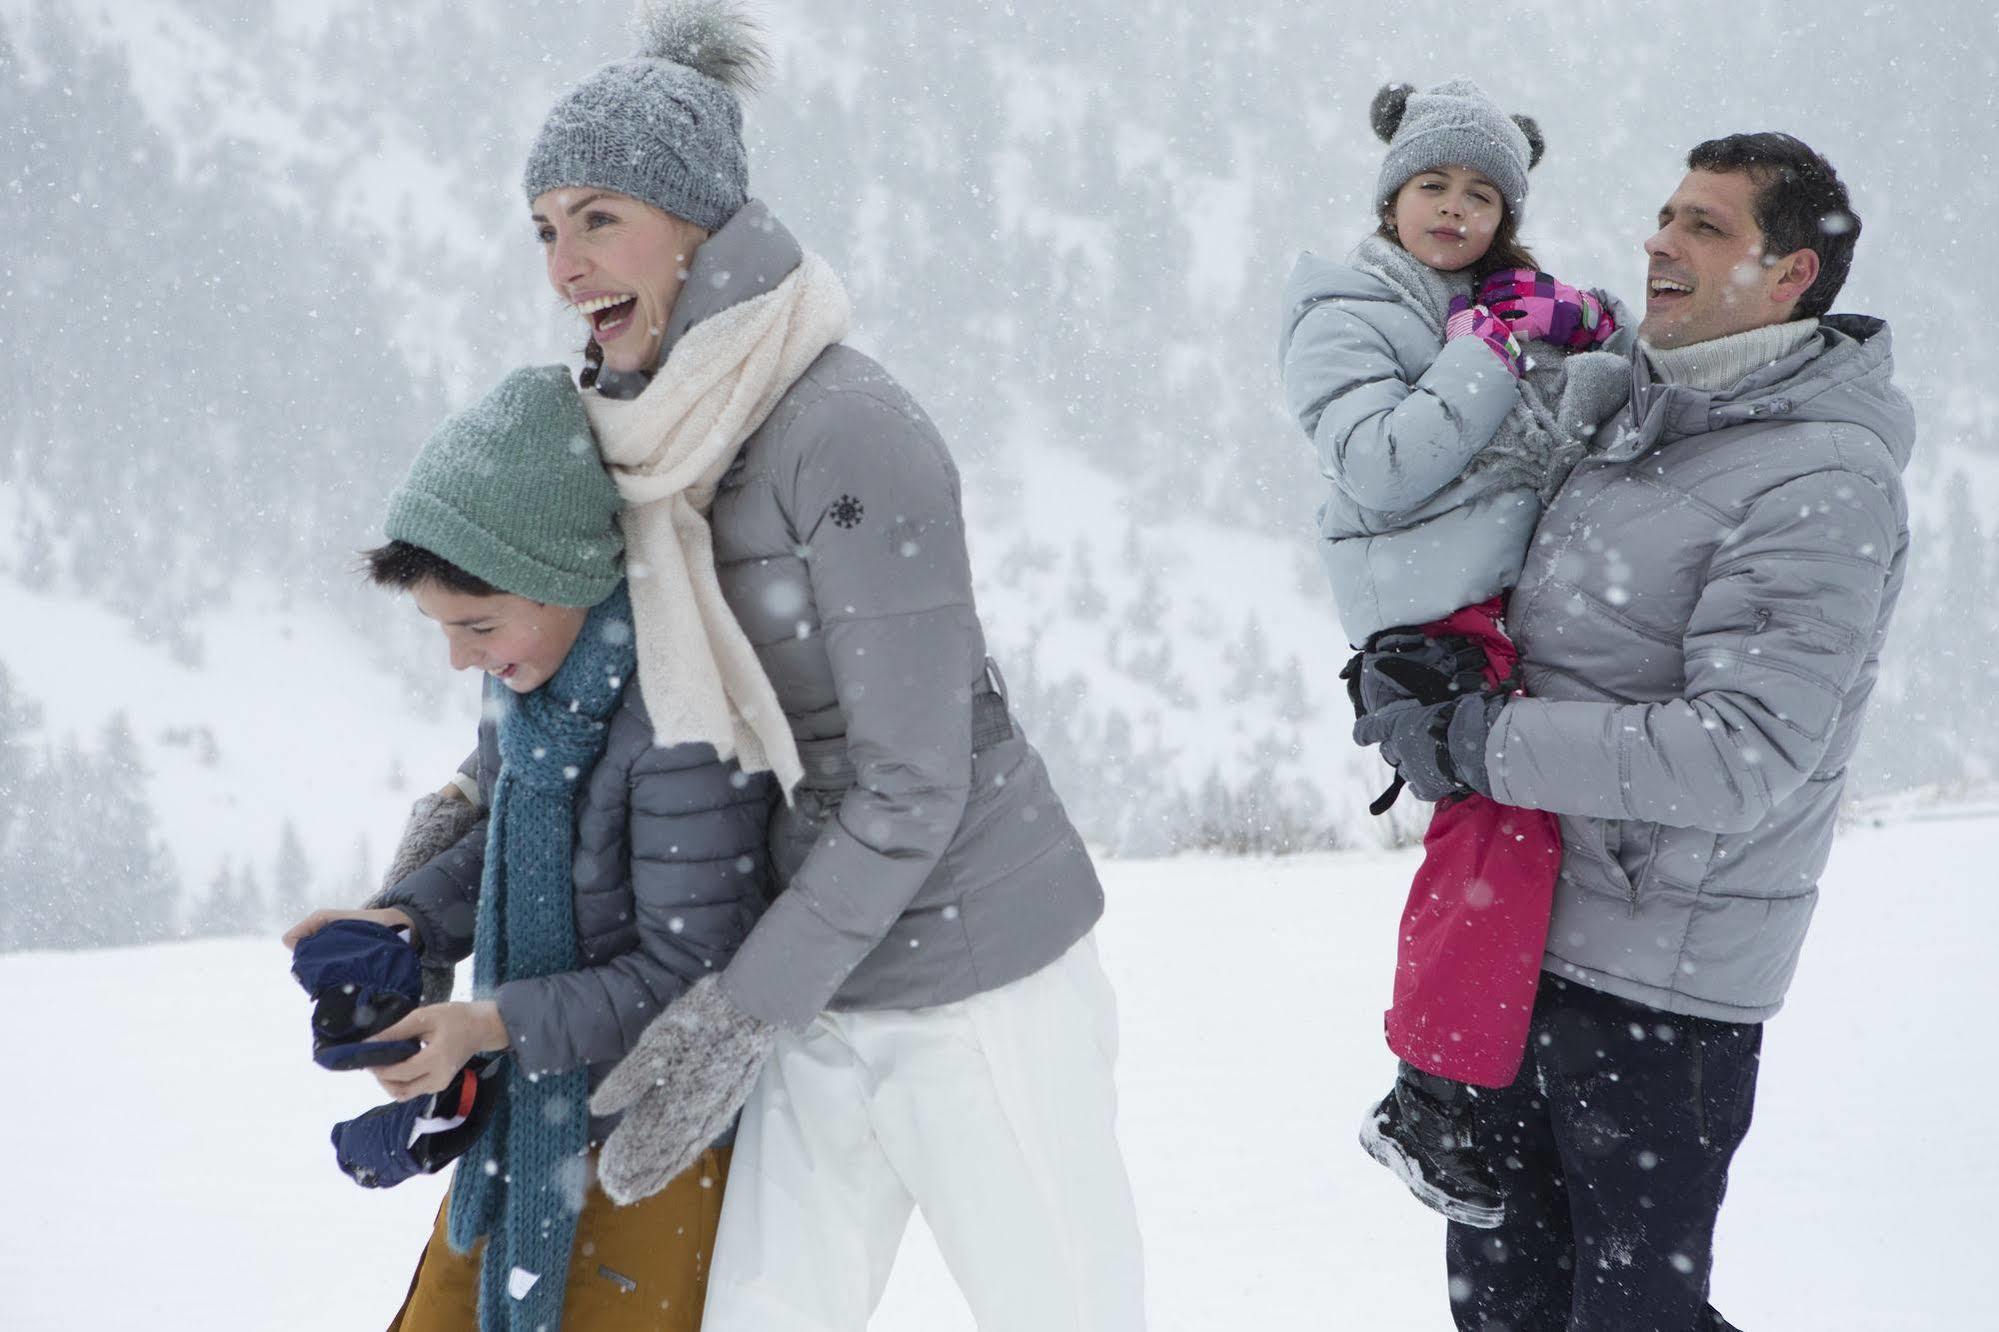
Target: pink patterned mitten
(1465,320)
(1542,308)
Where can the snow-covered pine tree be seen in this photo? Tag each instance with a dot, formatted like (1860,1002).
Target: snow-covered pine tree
(48,846)
(135,886)
(252,913)
(220,913)
(19,719)
(291,880)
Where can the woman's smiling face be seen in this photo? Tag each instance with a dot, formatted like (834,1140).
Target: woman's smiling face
(619,264)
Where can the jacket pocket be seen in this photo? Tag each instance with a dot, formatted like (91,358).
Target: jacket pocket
(1655,856)
(794,829)
(1591,861)
(1627,859)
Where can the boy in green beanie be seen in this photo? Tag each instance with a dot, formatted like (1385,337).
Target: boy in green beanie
(505,530)
(608,874)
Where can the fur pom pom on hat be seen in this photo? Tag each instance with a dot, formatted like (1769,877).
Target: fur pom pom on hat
(712,37)
(665,125)
(1453,124)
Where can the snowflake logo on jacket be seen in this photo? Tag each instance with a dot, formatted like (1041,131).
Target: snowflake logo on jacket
(847,511)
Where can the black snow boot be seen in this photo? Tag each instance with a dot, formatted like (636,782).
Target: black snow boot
(1422,1130)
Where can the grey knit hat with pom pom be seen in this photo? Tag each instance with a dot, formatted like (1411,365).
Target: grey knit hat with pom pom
(1453,124)
(663,126)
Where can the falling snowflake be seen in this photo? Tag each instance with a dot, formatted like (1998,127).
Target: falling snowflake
(847,511)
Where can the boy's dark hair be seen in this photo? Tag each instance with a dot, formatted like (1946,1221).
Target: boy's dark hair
(400,566)
(1801,204)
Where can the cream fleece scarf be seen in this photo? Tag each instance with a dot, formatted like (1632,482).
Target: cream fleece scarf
(667,450)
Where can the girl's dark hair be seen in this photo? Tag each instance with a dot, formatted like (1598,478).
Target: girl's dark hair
(400,566)
(1506,250)
(593,364)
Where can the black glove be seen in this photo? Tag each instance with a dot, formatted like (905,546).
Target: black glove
(1399,665)
(1402,664)
(1437,748)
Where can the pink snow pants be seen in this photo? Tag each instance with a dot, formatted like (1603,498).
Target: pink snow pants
(1469,956)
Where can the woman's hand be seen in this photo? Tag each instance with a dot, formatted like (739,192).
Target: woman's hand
(393,917)
(451,1035)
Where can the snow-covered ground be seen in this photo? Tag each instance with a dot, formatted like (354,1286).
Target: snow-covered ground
(162,1134)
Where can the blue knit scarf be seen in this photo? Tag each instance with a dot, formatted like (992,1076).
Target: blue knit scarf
(521,1185)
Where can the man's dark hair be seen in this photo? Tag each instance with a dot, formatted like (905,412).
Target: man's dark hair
(1801,204)
(400,566)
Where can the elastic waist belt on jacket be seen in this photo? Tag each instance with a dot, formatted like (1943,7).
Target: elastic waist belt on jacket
(828,768)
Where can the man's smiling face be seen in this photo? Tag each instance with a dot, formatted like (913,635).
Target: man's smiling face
(1706,273)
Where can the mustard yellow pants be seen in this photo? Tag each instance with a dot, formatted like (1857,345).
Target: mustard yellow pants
(642,1268)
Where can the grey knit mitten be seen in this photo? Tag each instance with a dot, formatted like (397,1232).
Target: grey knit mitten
(436,824)
(679,1089)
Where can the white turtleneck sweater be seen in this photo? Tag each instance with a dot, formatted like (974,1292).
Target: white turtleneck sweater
(1719,363)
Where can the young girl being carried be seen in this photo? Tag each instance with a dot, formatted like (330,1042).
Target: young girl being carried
(1448,387)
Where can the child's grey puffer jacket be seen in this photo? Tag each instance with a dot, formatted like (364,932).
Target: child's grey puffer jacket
(1435,493)
(671,872)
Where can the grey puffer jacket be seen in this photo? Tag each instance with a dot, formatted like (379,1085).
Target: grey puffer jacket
(1424,517)
(671,873)
(926,857)
(1700,623)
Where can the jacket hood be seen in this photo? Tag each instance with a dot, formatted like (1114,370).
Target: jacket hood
(1845,374)
(1315,278)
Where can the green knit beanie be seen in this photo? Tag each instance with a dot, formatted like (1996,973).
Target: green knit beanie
(512,492)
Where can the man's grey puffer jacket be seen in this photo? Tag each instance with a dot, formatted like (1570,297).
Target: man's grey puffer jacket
(671,873)
(1700,621)
(919,865)
(1413,530)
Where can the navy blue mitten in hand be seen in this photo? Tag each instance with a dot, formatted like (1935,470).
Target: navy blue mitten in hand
(389,1144)
(363,978)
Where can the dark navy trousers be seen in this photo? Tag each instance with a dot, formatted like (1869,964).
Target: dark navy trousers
(1612,1149)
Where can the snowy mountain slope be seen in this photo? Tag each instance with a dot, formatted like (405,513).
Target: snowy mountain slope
(302,723)
(261,249)
(164,1138)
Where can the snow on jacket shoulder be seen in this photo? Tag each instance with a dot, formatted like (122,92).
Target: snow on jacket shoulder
(670,870)
(1700,621)
(919,866)
(1396,415)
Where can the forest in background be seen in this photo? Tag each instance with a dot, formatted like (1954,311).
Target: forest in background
(260,250)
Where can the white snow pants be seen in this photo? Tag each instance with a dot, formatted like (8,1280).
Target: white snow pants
(996,1115)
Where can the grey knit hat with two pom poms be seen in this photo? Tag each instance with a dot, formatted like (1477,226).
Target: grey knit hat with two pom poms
(663,126)
(1453,124)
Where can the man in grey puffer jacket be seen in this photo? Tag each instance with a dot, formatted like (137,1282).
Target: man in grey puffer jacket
(1700,619)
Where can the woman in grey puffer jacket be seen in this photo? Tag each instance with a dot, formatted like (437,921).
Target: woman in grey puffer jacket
(1443,439)
(919,1018)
